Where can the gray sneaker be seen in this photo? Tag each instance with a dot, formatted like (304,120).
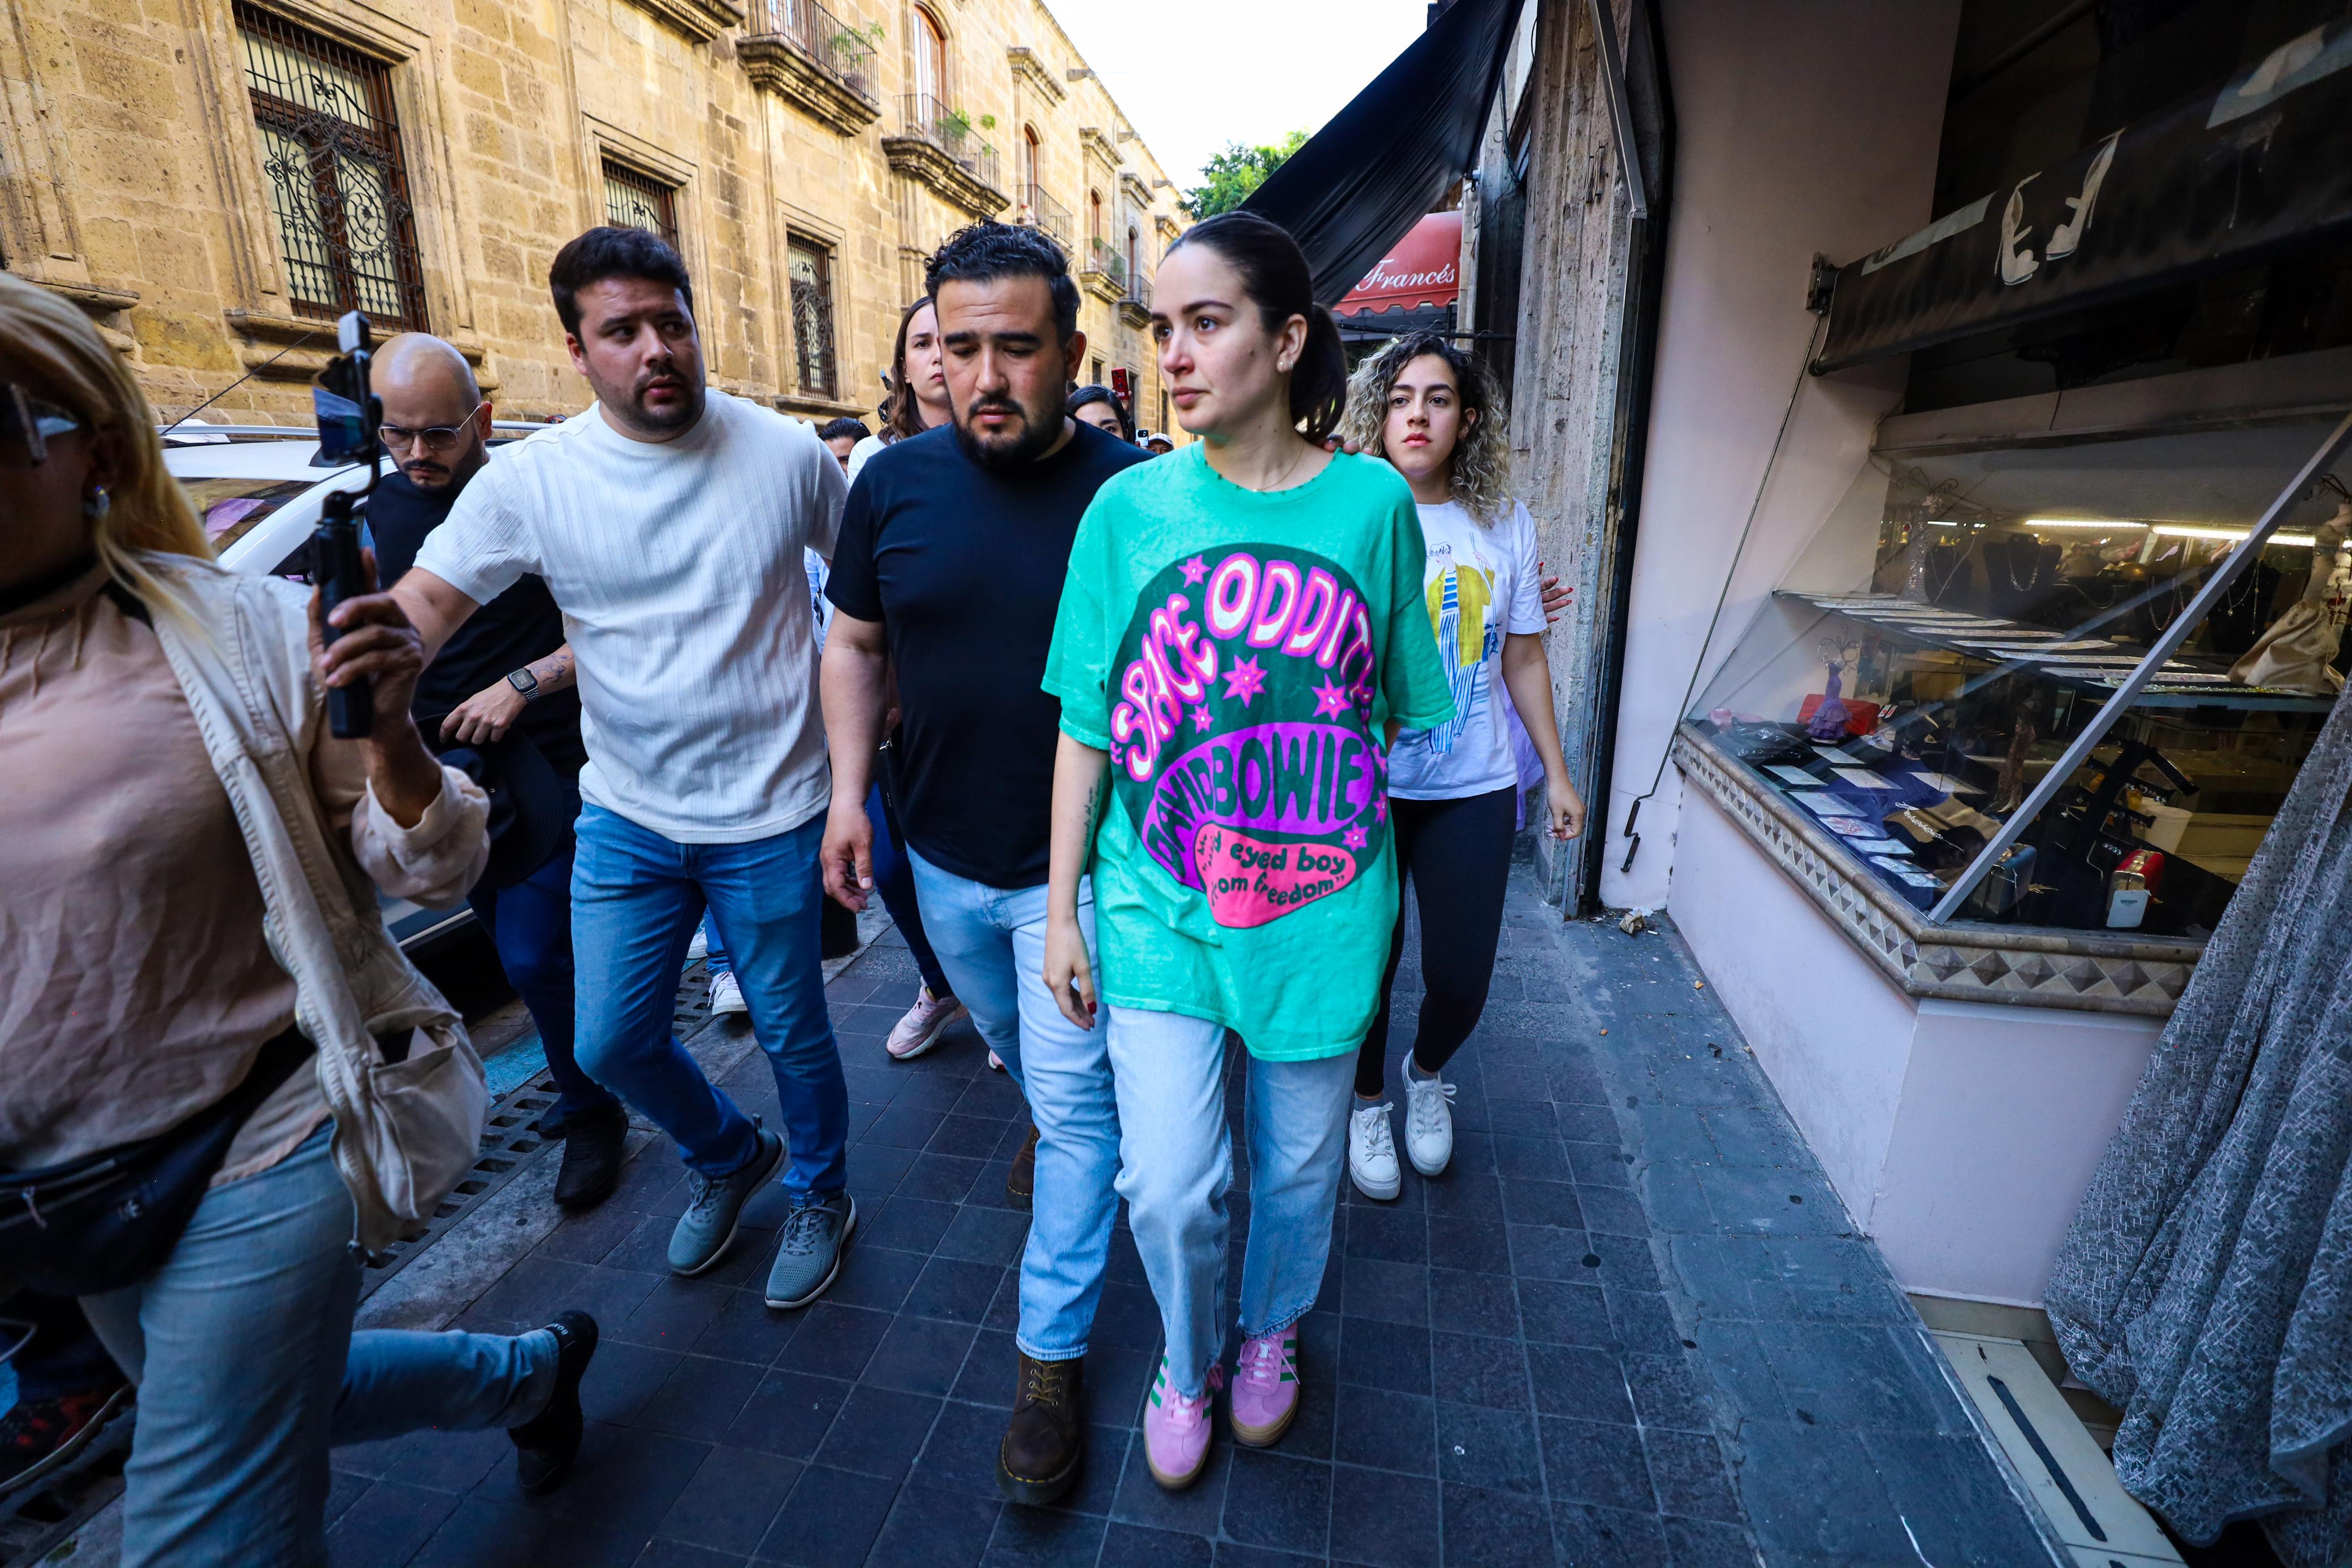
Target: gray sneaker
(808,1254)
(716,1209)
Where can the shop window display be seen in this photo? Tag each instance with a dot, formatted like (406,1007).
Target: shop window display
(1965,617)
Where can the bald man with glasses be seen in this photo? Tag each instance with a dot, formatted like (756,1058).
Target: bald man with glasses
(498,699)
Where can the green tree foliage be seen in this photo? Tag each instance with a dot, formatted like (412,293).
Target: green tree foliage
(1229,178)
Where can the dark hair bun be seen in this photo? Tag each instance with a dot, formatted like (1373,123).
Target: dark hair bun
(1274,277)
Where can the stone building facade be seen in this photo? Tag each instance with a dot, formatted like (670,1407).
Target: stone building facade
(212,180)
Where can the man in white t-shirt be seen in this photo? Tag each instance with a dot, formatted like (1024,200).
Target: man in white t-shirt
(668,522)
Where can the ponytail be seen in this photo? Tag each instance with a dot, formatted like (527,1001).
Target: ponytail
(1274,275)
(1318,382)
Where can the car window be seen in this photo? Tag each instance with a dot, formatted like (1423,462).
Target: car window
(231,507)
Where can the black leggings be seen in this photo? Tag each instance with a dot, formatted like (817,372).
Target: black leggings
(1459,854)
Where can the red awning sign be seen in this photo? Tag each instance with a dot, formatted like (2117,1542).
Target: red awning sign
(1423,268)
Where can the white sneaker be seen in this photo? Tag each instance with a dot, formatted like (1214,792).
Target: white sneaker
(1428,1121)
(1371,1152)
(699,948)
(995,1062)
(921,1028)
(727,994)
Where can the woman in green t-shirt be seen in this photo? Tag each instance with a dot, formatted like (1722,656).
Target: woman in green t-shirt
(1240,636)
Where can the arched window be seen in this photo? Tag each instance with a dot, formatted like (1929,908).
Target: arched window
(1029,164)
(1095,216)
(1134,253)
(931,62)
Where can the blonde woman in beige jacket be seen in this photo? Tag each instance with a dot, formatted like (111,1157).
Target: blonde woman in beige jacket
(188,874)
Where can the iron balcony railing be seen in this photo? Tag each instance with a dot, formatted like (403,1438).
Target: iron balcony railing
(1048,213)
(840,50)
(1139,292)
(952,132)
(1104,257)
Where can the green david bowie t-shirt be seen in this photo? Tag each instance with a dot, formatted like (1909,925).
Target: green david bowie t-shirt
(1239,654)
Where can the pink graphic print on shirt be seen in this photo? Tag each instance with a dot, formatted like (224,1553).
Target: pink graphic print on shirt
(1241,741)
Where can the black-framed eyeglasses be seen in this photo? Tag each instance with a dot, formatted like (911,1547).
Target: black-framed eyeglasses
(437,437)
(27,425)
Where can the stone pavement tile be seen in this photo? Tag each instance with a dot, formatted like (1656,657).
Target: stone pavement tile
(1135,1546)
(481,1533)
(1845,1374)
(1473,1304)
(387,1525)
(1579,1381)
(929,1529)
(1199,1509)
(1384,1520)
(833,1341)
(1590,1461)
(747,1329)
(879,1431)
(1665,1394)
(1044,1538)
(1494,1449)
(1813,1490)
(830,1519)
(672,1315)
(1275,1500)
(1954,1502)
(1480,1245)
(1565,1313)
(1484,1528)
(662,1553)
(907,1224)
(730,1502)
(625,1479)
(1382,1429)
(700,1399)
(1471,1369)
(955,1289)
(1688,1476)
(920,1355)
(1377,1354)
(1702,1543)
(1392,1292)
(1730,1277)
(875,1276)
(788,1414)
(1587,1532)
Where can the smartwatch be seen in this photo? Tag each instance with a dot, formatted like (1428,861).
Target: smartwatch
(526,682)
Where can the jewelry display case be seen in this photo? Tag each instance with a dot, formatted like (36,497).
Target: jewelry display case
(1989,607)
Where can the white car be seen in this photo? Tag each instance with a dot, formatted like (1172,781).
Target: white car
(259,490)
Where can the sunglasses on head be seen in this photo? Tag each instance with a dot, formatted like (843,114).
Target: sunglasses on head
(27,425)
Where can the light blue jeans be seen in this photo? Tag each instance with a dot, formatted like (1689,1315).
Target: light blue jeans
(991,941)
(1176,1163)
(635,898)
(248,1369)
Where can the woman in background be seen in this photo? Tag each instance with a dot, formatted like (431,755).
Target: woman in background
(1434,414)
(1099,406)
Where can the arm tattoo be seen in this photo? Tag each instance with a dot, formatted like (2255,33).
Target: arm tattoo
(1093,817)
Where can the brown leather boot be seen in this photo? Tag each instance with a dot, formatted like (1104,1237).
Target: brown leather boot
(1046,1437)
(1021,1181)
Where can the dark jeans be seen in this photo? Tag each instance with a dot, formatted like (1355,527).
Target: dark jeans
(63,1356)
(530,926)
(894,879)
(1458,854)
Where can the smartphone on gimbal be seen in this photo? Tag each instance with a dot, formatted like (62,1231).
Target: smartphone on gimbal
(348,413)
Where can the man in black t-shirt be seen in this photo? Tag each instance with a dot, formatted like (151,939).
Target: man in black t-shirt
(947,575)
(498,699)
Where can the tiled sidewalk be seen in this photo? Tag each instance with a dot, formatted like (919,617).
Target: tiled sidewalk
(1595,1341)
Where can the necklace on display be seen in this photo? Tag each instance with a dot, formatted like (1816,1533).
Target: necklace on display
(2009,565)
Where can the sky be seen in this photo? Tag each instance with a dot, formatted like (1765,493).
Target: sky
(1194,75)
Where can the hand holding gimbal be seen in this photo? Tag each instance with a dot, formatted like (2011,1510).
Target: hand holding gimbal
(348,413)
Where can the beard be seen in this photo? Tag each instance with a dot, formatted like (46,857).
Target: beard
(1027,443)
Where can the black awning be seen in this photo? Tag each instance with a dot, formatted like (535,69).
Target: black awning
(2223,181)
(1384,159)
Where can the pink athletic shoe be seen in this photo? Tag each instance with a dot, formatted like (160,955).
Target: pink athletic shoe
(1176,1429)
(1265,1389)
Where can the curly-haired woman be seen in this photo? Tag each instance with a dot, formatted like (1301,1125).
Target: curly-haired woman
(1434,413)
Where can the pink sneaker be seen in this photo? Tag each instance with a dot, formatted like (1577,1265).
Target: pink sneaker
(1176,1429)
(921,1027)
(1265,1389)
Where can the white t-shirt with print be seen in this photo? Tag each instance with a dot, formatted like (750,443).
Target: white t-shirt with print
(677,566)
(1479,584)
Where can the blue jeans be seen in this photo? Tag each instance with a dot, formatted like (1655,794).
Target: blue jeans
(991,943)
(635,896)
(530,926)
(894,879)
(1176,1163)
(248,1369)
